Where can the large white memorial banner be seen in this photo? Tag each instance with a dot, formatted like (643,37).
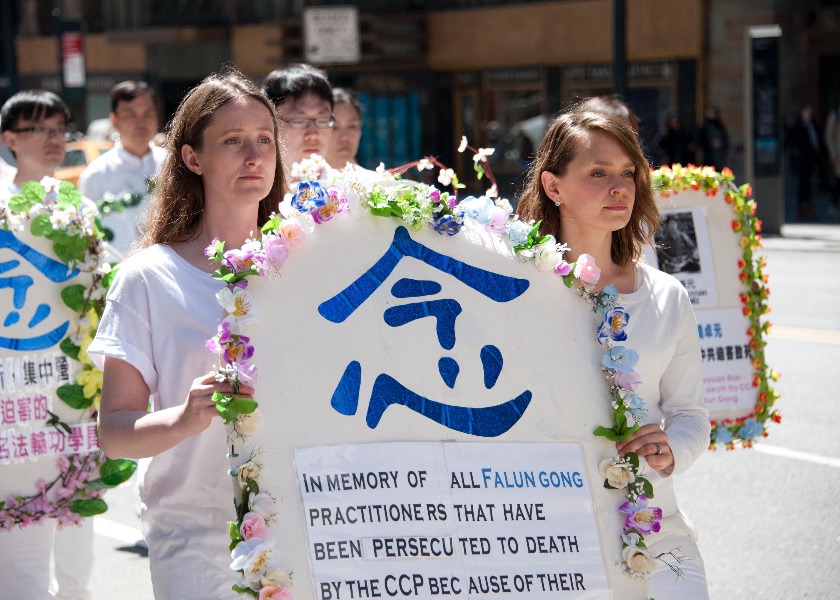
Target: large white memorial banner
(471,520)
(374,334)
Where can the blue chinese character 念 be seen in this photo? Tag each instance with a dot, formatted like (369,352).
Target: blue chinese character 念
(487,421)
(53,270)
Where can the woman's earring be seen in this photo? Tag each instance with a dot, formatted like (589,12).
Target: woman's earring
(557,202)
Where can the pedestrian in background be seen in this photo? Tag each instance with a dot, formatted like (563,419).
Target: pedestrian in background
(34,125)
(221,180)
(674,144)
(808,156)
(303,98)
(832,141)
(127,167)
(347,131)
(713,138)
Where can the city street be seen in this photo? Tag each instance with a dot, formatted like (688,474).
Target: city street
(766,517)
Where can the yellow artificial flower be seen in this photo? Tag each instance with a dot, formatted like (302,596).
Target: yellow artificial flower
(91,381)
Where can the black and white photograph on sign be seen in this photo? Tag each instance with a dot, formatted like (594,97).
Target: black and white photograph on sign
(684,250)
(676,240)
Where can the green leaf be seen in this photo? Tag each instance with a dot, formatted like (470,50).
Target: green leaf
(41,226)
(68,196)
(235,536)
(116,471)
(68,247)
(244,406)
(73,395)
(647,486)
(244,590)
(108,278)
(69,348)
(271,225)
(31,192)
(602,431)
(74,297)
(89,507)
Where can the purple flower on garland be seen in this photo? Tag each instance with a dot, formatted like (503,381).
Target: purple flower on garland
(447,224)
(628,380)
(335,205)
(222,338)
(238,350)
(613,325)
(310,195)
(641,517)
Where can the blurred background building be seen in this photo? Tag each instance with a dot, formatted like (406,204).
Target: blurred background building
(429,72)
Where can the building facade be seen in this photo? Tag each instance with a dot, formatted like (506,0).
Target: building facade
(429,72)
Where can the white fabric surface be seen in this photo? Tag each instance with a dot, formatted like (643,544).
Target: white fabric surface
(25,556)
(119,172)
(663,330)
(160,311)
(73,548)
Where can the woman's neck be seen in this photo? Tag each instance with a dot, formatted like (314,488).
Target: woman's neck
(599,246)
(233,228)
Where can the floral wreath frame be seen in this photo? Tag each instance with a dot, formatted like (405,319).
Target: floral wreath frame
(743,431)
(57,211)
(420,205)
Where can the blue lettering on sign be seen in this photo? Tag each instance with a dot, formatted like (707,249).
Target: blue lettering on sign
(490,421)
(53,270)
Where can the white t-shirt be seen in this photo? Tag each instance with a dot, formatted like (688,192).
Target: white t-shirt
(118,172)
(159,313)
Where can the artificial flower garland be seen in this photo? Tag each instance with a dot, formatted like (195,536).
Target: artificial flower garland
(417,205)
(672,180)
(57,211)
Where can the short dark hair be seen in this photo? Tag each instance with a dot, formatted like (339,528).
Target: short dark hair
(347,96)
(126,91)
(32,105)
(295,81)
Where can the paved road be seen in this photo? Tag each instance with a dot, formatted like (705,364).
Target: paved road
(768,517)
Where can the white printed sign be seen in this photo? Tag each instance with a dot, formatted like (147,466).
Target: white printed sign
(727,361)
(433,518)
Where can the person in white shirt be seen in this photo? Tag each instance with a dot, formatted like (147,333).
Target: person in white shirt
(589,186)
(33,124)
(125,170)
(304,101)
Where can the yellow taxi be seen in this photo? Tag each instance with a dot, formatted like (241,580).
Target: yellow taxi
(78,155)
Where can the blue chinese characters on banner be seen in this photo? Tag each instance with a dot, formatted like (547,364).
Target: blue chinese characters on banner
(489,421)
(53,270)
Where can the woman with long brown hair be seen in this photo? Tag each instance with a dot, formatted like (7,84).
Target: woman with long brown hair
(221,179)
(590,186)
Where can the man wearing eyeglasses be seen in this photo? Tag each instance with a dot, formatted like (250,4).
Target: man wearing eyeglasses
(33,125)
(304,101)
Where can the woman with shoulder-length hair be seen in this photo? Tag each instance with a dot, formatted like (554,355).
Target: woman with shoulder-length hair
(221,179)
(590,186)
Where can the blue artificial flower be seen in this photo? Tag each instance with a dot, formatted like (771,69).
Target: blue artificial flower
(518,233)
(613,325)
(637,407)
(606,299)
(477,209)
(750,429)
(723,435)
(309,196)
(620,358)
(447,224)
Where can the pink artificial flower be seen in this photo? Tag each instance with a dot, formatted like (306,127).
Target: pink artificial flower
(628,380)
(210,250)
(586,270)
(239,259)
(498,220)
(563,268)
(292,232)
(270,592)
(275,251)
(434,194)
(253,525)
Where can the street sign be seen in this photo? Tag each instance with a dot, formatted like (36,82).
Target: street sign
(331,34)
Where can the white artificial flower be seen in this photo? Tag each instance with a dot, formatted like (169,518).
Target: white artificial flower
(424,164)
(60,219)
(546,257)
(255,558)
(277,578)
(482,154)
(238,303)
(445,176)
(640,564)
(505,205)
(618,475)
(248,470)
(247,424)
(463,145)
(262,504)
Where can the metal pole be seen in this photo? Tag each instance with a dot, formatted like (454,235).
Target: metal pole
(619,48)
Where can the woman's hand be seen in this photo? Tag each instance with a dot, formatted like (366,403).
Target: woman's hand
(651,443)
(198,409)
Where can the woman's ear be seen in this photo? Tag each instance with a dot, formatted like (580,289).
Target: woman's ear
(190,159)
(551,185)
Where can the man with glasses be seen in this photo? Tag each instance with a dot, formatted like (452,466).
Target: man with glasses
(33,124)
(304,100)
(125,169)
